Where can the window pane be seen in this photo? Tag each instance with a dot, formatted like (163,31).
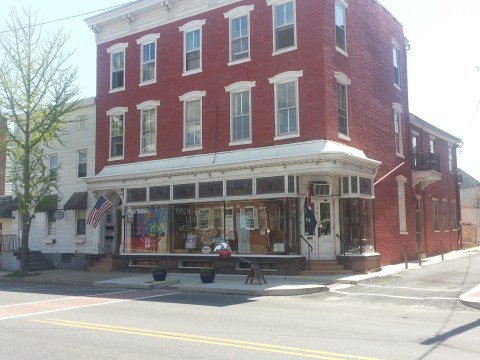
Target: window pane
(271,185)
(116,132)
(284,26)
(184,191)
(158,193)
(340,36)
(210,189)
(137,194)
(239,187)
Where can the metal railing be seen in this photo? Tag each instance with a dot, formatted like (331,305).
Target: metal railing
(425,161)
(9,243)
(310,249)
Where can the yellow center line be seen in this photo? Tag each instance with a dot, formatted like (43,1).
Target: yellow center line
(299,352)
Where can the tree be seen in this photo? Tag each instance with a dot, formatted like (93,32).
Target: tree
(37,90)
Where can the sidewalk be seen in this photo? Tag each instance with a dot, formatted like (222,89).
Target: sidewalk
(235,284)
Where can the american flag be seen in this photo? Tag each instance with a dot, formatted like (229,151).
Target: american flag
(310,221)
(98,210)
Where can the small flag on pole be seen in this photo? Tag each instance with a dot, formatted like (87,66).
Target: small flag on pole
(310,221)
(98,210)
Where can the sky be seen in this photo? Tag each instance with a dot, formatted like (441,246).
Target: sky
(443,60)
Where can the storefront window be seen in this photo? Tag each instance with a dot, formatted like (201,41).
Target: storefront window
(271,185)
(184,191)
(137,195)
(240,187)
(356,225)
(159,193)
(210,189)
(249,227)
(147,230)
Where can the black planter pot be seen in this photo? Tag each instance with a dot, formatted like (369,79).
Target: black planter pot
(159,275)
(207,277)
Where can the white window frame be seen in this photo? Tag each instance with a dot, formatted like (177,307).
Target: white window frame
(450,157)
(112,50)
(275,4)
(435,215)
(398,128)
(187,98)
(397,81)
(344,81)
(454,215)
(281,79)
(144,41)
(148,105)
(402,208)
(80,162)
(51,223)
(53,165)
(82,122)
(80,214)
(195,25)
(249,218)
(431,144)
(232,15)
(234,89)
(111,114)
(341,5)
(445,206)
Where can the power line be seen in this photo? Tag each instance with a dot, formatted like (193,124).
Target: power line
(71,17)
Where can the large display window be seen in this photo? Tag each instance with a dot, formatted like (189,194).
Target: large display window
(356,226)
(248,227)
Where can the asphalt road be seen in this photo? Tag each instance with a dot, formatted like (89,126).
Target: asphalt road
(411,315)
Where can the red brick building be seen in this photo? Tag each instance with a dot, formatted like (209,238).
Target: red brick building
(214,118)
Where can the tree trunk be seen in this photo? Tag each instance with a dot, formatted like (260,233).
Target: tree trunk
(24,245)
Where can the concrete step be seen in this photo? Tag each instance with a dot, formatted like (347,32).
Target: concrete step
(104,264)
(326,272)
(317,267)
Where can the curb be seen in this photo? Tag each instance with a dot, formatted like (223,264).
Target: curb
(279,290)
(471,298)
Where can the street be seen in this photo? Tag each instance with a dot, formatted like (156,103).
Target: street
(410,315)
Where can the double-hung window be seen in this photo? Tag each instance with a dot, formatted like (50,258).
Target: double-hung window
(148,53)
(239,33)
(148,127)
(192,45)
(284,32)
(240,112)
(436,224)
(117,66)
(192,120)
(117,132)
(340,26)
(397,121)
(80,228)
(396,66)
(82,163)
(342,104)
(53,164)
(286,104)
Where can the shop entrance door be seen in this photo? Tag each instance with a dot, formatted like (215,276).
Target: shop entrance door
(323,241)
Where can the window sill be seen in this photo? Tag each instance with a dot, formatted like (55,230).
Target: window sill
(193,148)
(241,61)
(287,136)
(344,137)
(400,156)
(403,232)
(243,142)
(149,82)
(192,72)
(115,158)
(397,86)
(147,154)
(341,51)
(116,90)
(282,51)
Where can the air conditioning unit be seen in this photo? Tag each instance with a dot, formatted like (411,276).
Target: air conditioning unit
(321,189)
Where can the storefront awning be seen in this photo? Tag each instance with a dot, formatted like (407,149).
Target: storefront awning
(49,203)
(78,201)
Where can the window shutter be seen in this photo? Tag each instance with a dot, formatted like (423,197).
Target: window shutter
(242,219)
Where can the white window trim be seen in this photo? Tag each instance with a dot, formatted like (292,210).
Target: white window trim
(234,88)
(282,78)
(192,96)
(402,209)
(113,112)
(398,109)
(78,163)
(148,105)
(396,47)
(343,4)
(232,15)
(191,26)
(113,50)
(144,40)
(80,120)
(80,236)
(273,4)
(344,80)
